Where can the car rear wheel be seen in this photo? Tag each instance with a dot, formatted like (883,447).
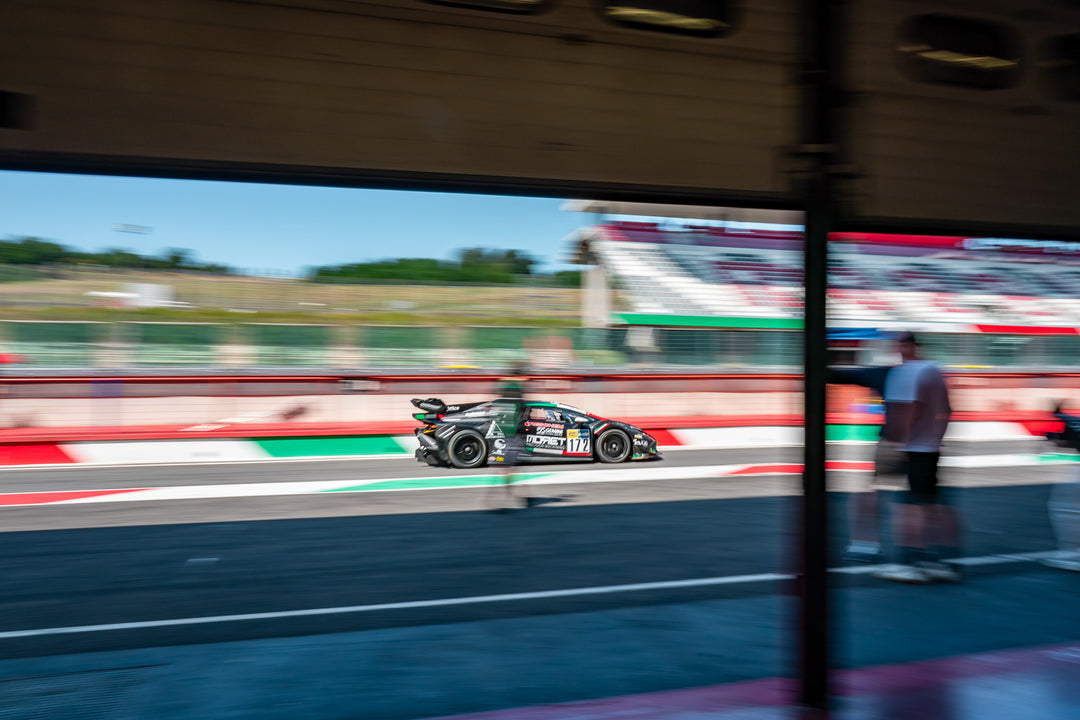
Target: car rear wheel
(613,446)
(467,450)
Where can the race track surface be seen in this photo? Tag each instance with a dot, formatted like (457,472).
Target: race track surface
(133,562)
(182,571)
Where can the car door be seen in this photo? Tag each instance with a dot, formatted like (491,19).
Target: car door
(545,430)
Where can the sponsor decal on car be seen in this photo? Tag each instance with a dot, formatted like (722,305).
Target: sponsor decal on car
(535,424)
(556,431)
(578,442)
(545,441)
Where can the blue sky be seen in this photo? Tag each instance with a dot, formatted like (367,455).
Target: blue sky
(276,227)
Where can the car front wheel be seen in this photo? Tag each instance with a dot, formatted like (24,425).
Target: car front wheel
(613,446)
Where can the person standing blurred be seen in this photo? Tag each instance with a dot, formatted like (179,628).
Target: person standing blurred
(865,506)
(916,417)
(1064,505)
(505,441)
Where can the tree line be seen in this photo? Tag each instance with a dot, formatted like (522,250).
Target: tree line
(473,265)
(37,252)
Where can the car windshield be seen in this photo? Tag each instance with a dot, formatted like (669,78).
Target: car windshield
(543,414)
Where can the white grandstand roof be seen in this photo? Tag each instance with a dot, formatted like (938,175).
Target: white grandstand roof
(689,212)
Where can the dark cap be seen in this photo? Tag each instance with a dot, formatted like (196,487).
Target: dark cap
(906,337)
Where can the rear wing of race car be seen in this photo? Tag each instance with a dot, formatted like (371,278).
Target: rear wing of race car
(434,408)
(434,405)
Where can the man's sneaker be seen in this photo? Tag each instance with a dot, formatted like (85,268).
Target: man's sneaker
(939,572)
(904,574)
(1064,560)
(863,551)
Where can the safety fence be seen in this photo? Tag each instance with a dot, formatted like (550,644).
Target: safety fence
(196,403)
(60,344)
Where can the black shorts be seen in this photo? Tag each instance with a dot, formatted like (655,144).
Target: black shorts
(922,473)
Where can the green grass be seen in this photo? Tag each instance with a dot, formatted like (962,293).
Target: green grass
(217,299)
(324,318)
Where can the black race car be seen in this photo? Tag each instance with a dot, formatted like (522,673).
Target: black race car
(504,431)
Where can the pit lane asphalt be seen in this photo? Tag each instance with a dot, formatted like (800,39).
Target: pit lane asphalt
(128,562)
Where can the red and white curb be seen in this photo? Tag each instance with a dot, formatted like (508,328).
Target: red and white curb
(648,473)
(439,482)
(791,436)
(166,452)
(230,450)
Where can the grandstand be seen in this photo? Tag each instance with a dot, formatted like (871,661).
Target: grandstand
(948,284)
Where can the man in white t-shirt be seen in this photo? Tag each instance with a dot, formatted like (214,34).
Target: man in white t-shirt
(916,417)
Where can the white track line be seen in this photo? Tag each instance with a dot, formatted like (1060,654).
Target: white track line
(508,597)
(411,605)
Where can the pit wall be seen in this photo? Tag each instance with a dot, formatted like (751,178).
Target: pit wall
(116,402)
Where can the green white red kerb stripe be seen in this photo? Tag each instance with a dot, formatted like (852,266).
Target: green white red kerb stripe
(133,452)
(649,472)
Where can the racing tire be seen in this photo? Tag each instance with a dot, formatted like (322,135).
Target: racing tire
(613,446)
(467,450)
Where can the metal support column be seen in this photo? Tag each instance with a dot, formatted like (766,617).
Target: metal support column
(820,38)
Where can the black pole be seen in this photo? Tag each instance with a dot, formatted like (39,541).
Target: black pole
(818,139)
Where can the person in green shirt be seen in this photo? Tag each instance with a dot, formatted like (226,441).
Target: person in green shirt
(506,451)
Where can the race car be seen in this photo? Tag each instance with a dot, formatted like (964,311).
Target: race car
(475,434)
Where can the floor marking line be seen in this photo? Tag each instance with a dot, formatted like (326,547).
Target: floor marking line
(409,605)
(506,597)
(1001,559)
